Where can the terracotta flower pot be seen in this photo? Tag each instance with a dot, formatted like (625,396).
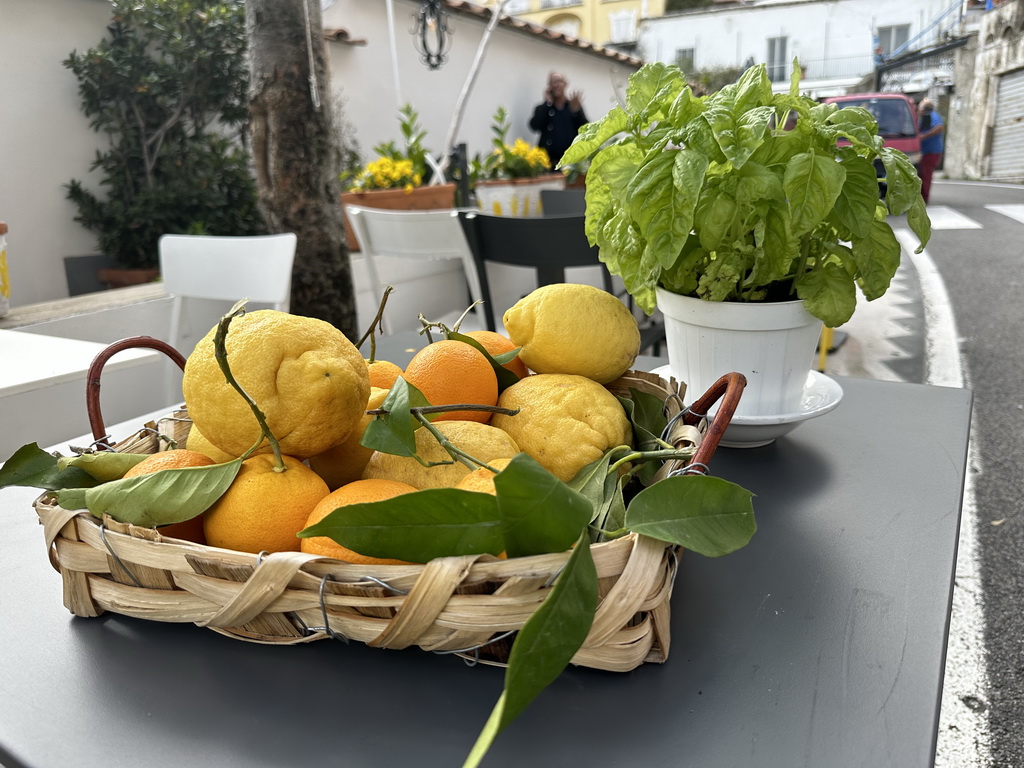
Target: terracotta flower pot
(435,197)
(122,278)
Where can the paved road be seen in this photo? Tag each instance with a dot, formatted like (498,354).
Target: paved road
(952,318)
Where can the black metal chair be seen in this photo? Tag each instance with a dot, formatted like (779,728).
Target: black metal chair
(548,244)
(558,202)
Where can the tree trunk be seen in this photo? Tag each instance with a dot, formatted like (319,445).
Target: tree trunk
(296,156)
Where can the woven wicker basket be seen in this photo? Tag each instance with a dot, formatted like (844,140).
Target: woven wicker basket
(468,605)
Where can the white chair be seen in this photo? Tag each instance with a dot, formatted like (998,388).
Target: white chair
(228,268)
(436,235)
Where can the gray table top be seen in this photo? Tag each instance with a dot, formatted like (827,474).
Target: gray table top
(820,644)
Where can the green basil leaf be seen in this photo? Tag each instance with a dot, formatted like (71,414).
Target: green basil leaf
(779,249)
(877,257)
(418,527)
(539,513)
(593,135)
(545,645)
(707,515)
(855,205)
(652,90)
(161,498)
(829,293)
(717,215)
(32,467)
(903,185)
(395,431)
(920,224)
(812,184)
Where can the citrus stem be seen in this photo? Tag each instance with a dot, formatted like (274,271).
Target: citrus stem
(378,319)
(456,453)
(642,456)
(220,351)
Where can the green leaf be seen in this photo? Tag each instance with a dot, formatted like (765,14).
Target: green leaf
(652,90)
(920,224)
(812,184)
(505,377)
(418,527)
(877,257)
(829,293)
(545,645)
(395,431)
(661,199)
(855,205)
(778,248)
(33,467)
(609,175)
(593,135)
(707,515)
(604,491)
(104,465)
(903,185)
(717,217)
(539,513)
(161,498)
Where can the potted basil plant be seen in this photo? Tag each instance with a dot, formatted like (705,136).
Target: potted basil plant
(760,208)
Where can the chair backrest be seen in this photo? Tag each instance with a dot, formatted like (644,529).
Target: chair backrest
(231,268)
(558,202)
(431,235)
(548,244)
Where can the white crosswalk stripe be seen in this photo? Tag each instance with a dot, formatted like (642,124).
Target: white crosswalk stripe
(944,217)
(1015,212)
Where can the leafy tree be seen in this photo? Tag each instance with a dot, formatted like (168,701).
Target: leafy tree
(168,88)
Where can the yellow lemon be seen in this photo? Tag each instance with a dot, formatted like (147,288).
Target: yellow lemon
(481,441)
(577,329)
(307,378)
(196,441)
(344,463)
(564,421)
(482,480)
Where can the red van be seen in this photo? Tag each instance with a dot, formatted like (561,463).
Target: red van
(896,116)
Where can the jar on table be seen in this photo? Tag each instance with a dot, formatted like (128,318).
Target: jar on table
(5,278)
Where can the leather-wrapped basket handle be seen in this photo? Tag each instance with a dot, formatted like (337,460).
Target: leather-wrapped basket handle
(728,389)
(92,381)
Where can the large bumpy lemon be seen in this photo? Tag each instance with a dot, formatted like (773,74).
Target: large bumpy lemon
(481,441)
(307,378)
(577,329)
(564,421)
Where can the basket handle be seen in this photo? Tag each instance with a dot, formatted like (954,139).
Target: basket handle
(92,381)
(728,388)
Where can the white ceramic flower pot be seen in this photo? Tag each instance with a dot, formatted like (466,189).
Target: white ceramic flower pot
(771,343)
(515,197)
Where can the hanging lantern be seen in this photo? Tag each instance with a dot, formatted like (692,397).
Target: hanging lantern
(432,35)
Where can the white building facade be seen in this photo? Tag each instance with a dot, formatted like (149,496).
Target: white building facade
(835,41)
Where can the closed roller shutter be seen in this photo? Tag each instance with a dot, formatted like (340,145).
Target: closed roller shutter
(1007,158)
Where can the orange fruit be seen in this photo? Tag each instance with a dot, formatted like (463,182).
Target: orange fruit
(449,372)
(482,480)
(358,492)
(177,458)
(496,344)
(264,509)
(383,373)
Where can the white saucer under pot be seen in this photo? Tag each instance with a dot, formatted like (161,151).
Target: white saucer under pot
(821,394)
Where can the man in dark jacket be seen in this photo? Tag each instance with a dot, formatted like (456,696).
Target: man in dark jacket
(558,119)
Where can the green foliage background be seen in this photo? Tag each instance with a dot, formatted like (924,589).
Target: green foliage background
(168,87)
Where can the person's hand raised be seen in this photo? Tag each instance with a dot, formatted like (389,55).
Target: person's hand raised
(575,101)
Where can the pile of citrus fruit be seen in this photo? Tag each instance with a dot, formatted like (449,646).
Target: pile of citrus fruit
(314,389)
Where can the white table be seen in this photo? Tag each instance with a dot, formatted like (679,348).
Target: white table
(42,386)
